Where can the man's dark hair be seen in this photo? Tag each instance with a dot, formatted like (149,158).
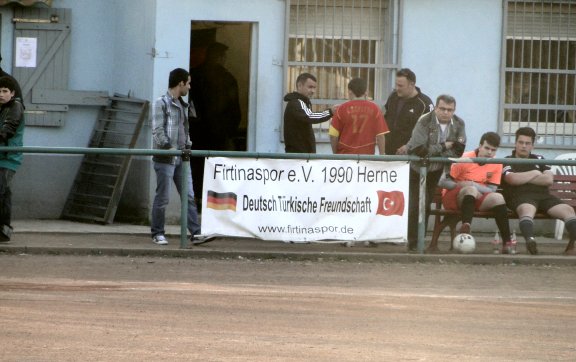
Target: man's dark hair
(407,73)
(492,138)
(176,76)
(526,131)
(302,78)
(448,99)
(7,82)
(357,86)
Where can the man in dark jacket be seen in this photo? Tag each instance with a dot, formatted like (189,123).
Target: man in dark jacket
(299,118)
(214,93)
(215,109)
(402,110)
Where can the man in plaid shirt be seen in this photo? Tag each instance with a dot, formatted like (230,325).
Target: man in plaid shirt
(170,132)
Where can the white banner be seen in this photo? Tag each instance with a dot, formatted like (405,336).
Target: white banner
(301,201)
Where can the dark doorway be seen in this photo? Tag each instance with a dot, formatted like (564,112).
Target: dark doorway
(219,90)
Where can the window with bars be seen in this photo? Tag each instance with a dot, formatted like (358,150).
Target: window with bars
(337,40)
(539,76)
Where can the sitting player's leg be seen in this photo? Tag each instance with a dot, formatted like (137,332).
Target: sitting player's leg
(566,212)
(494,202)
(526,214)
(467,202)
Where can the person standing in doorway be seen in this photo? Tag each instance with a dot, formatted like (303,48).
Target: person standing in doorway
(358,125)
(299,118)
(170,132)
(214,94)
(215,109)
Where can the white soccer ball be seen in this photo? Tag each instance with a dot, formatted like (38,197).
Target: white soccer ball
(464,243)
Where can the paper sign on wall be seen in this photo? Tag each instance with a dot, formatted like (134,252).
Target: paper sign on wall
(26,52)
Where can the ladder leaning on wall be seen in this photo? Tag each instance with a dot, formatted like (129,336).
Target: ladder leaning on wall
(100,180)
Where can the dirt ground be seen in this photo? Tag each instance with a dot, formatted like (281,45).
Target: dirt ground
(70,308)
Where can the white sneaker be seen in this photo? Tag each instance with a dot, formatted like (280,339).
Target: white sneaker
(201,239)
(160,240)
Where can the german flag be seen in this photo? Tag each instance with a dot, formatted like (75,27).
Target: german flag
(222,200)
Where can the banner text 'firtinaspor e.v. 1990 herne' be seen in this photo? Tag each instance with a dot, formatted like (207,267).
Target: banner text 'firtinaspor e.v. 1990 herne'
(305,200)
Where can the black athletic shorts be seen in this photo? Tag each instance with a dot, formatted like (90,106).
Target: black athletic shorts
(542,202)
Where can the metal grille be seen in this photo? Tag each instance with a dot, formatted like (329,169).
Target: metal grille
(539,77)
(337,40)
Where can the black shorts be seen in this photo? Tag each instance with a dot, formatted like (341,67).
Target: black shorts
(542,202)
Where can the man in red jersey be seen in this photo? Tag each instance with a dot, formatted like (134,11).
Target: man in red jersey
(358,125)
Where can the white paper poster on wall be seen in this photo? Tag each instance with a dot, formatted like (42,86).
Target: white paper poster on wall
(26,49)
(306,200)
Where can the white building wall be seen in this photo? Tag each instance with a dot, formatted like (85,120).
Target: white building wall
(44,180)
(173,44)
(454,47)
(109,42)
(112,50)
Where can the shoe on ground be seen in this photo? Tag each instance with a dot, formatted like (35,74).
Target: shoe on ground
(508,248)
(5,233)
(160,240)
(465,228)
(531,246)
(201,239)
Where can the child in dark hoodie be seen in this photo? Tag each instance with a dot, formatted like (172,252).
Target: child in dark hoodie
(11,134)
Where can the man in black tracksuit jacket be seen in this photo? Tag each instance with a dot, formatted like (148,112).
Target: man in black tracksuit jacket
(299,118)
(402,110)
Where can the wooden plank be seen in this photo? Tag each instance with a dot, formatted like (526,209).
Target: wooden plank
(32,108)
(45,119)
(40,26)
(69,97)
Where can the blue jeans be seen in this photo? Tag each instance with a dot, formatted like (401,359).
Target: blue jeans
(5,196)
(165,174)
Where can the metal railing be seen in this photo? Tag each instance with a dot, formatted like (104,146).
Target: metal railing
(186,154)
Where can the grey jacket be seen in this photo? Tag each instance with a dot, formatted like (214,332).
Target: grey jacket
(168,115)
(425,139)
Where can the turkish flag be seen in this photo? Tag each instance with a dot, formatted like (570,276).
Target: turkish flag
(390,203)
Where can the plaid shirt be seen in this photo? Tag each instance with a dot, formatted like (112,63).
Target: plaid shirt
(169,115)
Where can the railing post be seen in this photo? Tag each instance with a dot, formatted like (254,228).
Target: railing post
(422,205)
(184,198)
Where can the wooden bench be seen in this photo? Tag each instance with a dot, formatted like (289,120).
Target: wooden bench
(564,187)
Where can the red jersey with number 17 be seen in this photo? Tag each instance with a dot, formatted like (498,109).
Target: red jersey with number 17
(356,124)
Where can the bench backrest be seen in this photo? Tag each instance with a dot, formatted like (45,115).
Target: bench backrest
(564,187)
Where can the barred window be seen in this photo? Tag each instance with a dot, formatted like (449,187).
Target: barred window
(539,74)
(337,40)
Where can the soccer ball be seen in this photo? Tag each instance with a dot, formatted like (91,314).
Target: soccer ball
(464,243)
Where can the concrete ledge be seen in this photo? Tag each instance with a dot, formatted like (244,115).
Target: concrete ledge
(59,237)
